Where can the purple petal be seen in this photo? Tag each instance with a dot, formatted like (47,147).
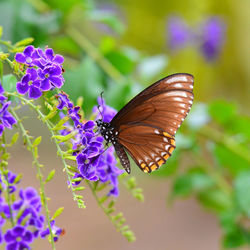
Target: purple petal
(1,129)
(57,70)
(18,230)
(28,50)
(13,246)
(30,193)
(22,88)
(9,236)
(45,85)
(34,92)
(56,81)
(28,236)
(58,59)
(89,125)
(25,79)
(49,53)
(20,58)
(33,73)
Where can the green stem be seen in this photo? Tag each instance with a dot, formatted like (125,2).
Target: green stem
(50,128)
(90,49)
(101,206)
(221,182)
(39,172)
(7,44)
(8,184)
(227,142)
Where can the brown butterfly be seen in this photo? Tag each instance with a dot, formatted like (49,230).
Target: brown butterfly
(145,127)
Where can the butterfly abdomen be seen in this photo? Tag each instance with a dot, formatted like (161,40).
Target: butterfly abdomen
(122,156)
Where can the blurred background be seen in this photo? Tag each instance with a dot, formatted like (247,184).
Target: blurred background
(201,198)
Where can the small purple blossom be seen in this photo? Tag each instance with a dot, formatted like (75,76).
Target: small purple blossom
(25,212)
(6,118)
(212,37)
(208,36)
(93,162)
(107,170)
(8,183)
(107,112)
(27,56)
(56,231)
(18,238)
(44,71)
(178,33)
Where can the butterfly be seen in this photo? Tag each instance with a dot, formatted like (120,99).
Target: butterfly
(145,127)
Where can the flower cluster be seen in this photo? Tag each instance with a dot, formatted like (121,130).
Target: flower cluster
(93,162)
(6,118)
(209,36)
(24,213)
(44,71)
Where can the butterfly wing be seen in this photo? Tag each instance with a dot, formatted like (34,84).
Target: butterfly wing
(147,124)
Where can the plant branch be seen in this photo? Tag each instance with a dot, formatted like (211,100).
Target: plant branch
(39,172)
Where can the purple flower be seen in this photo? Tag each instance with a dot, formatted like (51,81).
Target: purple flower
(18,238)
(178,33)
(31,84)
(212,37)
(64,101)
(27,56)
(56,231)
(11,179)
(208,37)
(107,112)
(44,71)
(6,118)
(107,170)
(51,77)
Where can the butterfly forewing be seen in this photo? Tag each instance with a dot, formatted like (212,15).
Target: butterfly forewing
(146,126)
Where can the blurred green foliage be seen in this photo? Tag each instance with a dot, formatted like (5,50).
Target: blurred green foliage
(212,159)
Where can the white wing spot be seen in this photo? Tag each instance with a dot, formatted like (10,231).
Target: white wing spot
(178,85)
(176,93)
(157,131)
(165,139)
(167,147)
(177,79)
(178,99)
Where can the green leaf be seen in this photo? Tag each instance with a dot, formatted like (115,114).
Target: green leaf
(37,141)
(242,191)
(216,200)
(57,212)
(50,175)
(222,111)
(236,238)
(82,77)
(121,61)
(195,180)
(108,18)
(234,163)
(14,138)
(9,83)
(1,31)
(24,42)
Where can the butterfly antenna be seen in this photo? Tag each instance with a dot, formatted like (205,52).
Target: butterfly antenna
(102,105)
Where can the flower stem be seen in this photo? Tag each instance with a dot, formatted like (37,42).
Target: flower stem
(101,205)
(227,142)
(3,165)
(39,172)
(90,49)
(50,128)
